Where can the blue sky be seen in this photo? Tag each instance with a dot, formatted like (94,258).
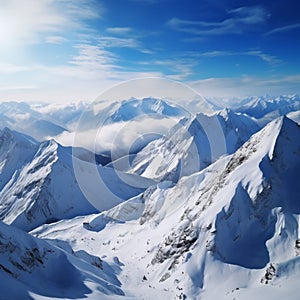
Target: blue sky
(66,50)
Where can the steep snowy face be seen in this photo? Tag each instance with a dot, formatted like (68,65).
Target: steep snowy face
(243,212)
(30,267)
(193,144)
(43,189)
(39,185)
(237,128)
(15,151)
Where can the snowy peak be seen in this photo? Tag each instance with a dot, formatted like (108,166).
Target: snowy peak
(193,144)
(259,107)
(43,187)
(223,210)
(13,137)
(234,209)
(24,118)
(233,224)
(40,186)
(133,108)
(15,150)
(280,138)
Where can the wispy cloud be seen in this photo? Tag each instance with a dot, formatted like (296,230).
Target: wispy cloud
(17,87)
(119,30)
(94,63)
(117,42)
(147,1)
(107,42)
(91,62)
(12,68)
(179,68)
(270,59)
(182,66)
(238,20)
(124,37)
(246,86)
(93,56)
(283,29)
(29,22)
(55,39)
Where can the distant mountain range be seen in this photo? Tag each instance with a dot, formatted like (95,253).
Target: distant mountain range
(209,209)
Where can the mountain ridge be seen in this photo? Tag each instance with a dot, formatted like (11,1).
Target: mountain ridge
(228,225)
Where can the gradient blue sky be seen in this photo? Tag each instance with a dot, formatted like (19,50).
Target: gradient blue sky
(66,50)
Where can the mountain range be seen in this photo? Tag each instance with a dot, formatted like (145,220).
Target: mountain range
(209,209)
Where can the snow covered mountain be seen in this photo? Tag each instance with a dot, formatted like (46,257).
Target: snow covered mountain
(192,145)
(218,216)
(270,107)
(31,268)
(24,118)
(130,109)
(39,184)
(126,122)
(15,150)
(62,121)
(234,225)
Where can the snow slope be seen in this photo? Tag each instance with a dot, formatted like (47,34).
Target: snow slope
(39,184)
(220,221)
(234,225)
(31,268)
(295,116)
(192,145)
(15,150)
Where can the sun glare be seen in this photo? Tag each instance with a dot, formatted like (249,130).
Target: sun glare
(10,29)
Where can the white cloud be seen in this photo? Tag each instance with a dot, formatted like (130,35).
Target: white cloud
(12,68)
(271,59)
(122,42)
(17,87)
(90,63)
(283,29)
(26,22)
(55,39)
(119,30)
(116,42)
(240,19)
(94,57)
(181,68)
(248,15)
(104,139)
(247,86)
